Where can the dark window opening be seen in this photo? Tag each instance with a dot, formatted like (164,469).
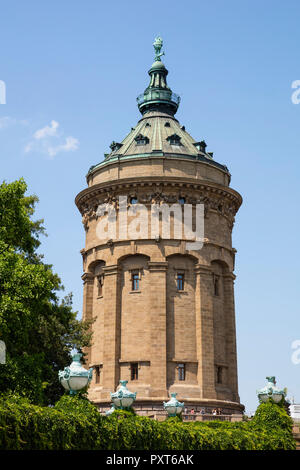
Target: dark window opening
(97,374)
(181,200)
(141,140)
(100,280)
(181,371)
(135,281)
(219,375)
(216,286)
(174,139)
(180,281)
(134,369)
(201,146)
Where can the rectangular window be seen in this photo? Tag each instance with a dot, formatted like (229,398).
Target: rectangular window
(219,374)
(100,280)
(135,279)
(216,285)
(134,368)
(180,281)
(181,371)
(97,374)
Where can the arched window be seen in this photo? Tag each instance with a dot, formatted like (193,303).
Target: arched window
(96,268)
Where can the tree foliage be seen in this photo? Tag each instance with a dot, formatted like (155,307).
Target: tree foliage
(38,329)
(75,423)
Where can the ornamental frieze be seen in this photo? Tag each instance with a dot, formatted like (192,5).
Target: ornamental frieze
(212,201)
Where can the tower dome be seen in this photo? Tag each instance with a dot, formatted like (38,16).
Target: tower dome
(158,132)
(162,309)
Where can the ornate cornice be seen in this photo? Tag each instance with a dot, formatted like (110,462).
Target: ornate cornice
(157,190)
(159,182)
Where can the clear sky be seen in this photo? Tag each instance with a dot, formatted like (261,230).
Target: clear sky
(73,70)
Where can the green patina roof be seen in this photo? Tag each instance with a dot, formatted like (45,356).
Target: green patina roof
(158,132)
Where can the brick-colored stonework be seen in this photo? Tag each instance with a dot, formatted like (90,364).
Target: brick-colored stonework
(157,326)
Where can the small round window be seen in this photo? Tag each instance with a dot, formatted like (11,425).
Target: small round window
(181,200)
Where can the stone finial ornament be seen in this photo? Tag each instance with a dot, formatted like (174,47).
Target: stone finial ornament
(75,377)
(123,398)
(111,410)
(271,391)
(173,407)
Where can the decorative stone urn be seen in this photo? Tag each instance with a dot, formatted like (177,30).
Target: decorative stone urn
(123,398)
(173,407)
(270,391)
(75,377)
(111,410)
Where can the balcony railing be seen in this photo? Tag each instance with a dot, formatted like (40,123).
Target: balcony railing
(158,95)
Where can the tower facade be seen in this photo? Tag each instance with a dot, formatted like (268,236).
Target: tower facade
(163,311)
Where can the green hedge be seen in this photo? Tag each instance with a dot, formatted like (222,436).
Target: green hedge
(74,423)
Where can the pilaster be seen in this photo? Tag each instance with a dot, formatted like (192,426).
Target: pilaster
(87,309)
(158,287)
(231,353)
(205,331)
(111,349)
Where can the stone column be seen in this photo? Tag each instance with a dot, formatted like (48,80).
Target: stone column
(112,334)
(231,353)
(205,331)
(158,347)
(87,309)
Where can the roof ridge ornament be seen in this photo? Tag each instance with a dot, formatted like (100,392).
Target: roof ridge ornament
(158,44)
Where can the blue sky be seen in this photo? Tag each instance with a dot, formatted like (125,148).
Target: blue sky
(74,69)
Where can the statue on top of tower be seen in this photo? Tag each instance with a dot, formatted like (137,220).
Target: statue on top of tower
(158,43)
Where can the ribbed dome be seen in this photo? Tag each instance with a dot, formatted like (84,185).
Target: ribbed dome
(158,133)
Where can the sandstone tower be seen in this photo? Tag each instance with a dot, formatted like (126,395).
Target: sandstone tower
(164,314)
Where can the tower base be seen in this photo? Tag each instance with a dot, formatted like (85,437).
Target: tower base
(152,407)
